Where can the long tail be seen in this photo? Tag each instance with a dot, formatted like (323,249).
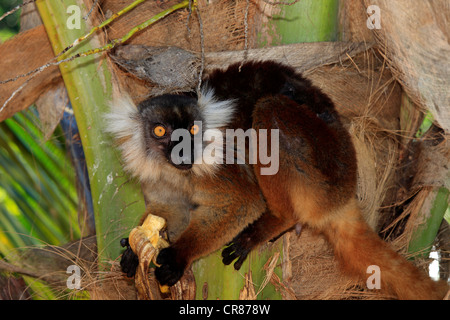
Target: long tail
(357,247)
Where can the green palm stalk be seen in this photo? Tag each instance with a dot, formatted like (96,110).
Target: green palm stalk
(117,201)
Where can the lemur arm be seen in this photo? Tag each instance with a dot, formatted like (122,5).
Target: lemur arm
(216,220)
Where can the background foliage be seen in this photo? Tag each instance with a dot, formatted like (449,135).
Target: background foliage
(10,25)
(38,197)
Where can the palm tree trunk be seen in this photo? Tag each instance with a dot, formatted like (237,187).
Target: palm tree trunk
(90,83)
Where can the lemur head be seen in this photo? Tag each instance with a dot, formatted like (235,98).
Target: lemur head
(165,133)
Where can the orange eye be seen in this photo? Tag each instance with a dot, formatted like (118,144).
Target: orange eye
(159,131)
(194,129)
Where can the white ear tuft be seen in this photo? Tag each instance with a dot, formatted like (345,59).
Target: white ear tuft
(123,123)
(217,113)
(122,120)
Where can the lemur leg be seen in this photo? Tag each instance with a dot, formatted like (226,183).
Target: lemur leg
(297,186)
(317,184)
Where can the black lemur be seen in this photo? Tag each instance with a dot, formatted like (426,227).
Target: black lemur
(209,201)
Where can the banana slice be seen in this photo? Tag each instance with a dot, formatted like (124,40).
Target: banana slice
(146,241)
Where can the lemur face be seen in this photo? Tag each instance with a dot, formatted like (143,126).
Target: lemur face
(168,122)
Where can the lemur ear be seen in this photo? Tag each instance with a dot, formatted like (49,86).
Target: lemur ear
(124,123)
(217,113)
(122,117)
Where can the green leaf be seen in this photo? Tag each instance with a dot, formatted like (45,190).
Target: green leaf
(424,236)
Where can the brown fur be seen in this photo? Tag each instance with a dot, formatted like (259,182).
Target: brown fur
(356,247)
(325,200)
(315,185)
(240,204)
